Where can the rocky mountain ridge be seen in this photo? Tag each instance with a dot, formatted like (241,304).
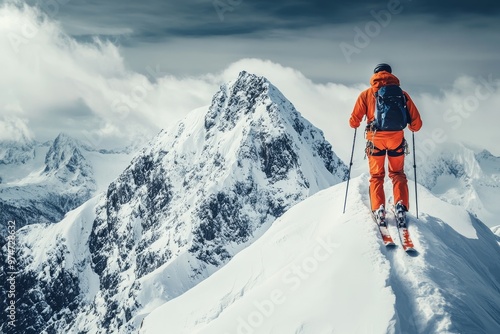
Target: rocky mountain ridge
(199,193)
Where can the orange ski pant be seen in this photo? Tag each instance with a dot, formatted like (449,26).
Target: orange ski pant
(386,144)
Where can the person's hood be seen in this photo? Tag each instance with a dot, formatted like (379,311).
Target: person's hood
(383,78)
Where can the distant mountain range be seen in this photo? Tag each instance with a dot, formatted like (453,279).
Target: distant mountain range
(41,182)
(464,177)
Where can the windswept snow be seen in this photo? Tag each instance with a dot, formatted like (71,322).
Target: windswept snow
(317,270)
(464,177)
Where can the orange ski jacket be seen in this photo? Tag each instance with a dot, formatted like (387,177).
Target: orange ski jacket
(365,104)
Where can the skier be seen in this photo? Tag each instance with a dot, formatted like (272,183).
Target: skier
(382,143)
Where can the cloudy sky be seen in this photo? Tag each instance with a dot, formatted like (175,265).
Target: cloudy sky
(115,71)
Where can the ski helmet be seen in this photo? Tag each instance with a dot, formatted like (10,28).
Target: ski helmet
(382,67)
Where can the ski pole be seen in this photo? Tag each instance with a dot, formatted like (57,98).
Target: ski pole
(415,172)
(349,172)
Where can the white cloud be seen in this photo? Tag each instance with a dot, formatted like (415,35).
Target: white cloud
(58,84)
(15,129)
(466,113)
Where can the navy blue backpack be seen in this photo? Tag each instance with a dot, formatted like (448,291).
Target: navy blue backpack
(391,112)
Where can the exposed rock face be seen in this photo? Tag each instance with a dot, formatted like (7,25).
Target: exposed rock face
(198,194)
(45,196)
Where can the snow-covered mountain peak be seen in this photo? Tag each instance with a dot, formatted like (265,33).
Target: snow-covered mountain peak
(66,161)
(247,95)
(462,176)
(199,193)
(64,151)
(490,164)
(221,175)
(17,151)
(32,172)
(251,109)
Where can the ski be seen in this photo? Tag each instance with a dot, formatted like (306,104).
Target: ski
(384,233)
(406,241)
(404,234)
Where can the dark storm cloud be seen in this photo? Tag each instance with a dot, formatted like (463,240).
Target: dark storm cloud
(153,20)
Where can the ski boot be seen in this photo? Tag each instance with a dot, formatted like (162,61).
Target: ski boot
(379,215)
(400,212)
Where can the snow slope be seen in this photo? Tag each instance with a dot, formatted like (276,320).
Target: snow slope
(496,230)
(202,191)
(319,271)
(52,259)
(199,193)
(40,183)
(213,184)
(462,176)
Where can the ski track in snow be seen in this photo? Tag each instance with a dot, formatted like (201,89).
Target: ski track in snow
(424,304)
(419,304)
(418,301)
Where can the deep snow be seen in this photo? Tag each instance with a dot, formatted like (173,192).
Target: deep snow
(317,270)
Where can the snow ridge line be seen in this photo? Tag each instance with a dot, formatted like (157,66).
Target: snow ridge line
(419,306)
